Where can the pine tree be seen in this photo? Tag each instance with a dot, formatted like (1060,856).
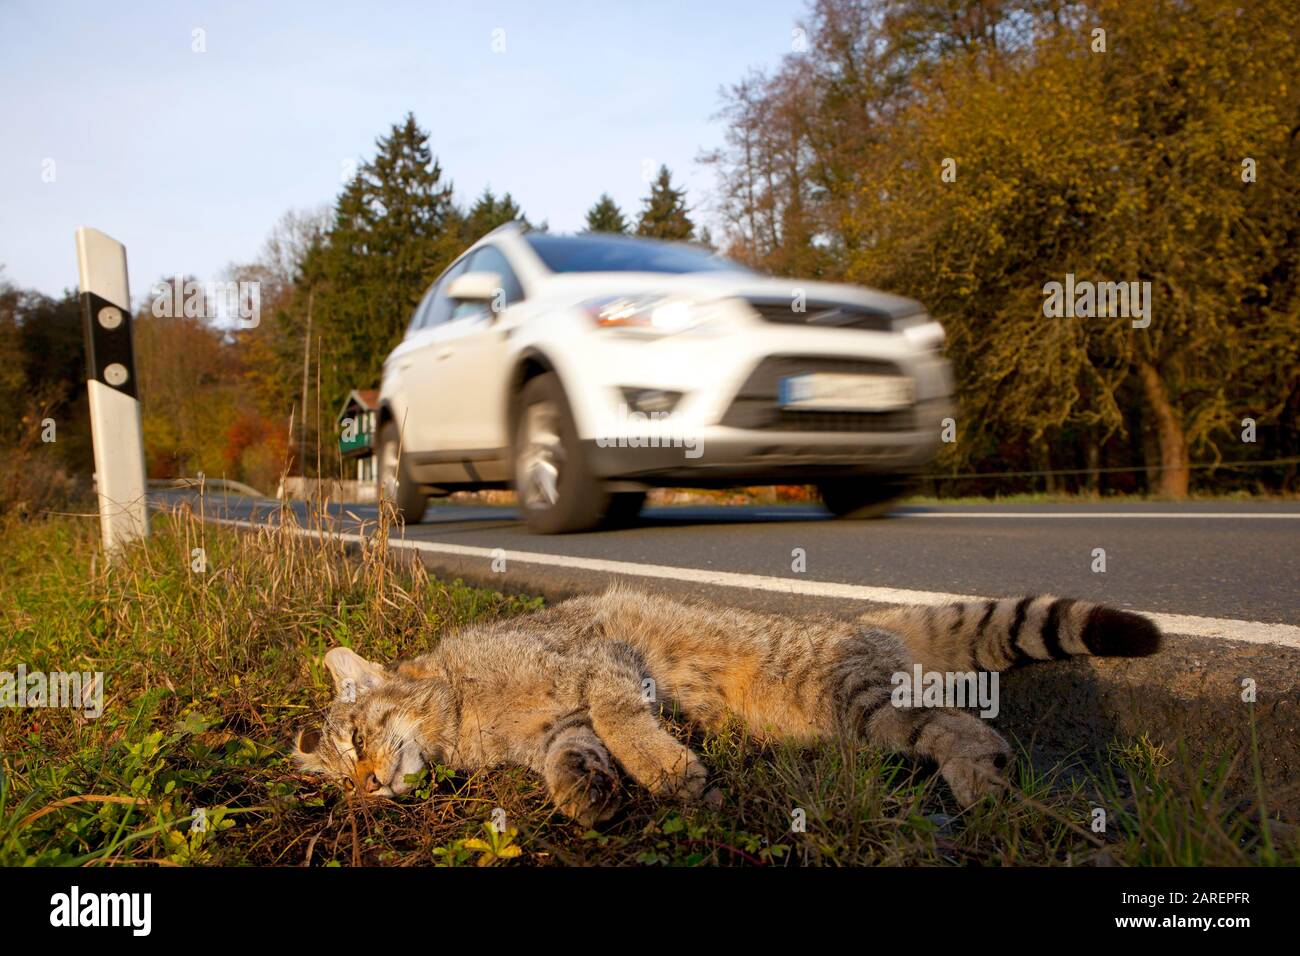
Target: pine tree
(489,212)
(664,213)
(395,228)
(605,216)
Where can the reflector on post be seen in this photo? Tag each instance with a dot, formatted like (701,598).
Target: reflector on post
(111,383)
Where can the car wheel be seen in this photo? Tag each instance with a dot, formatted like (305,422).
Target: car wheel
(557,494)
(860,498)
(393,483)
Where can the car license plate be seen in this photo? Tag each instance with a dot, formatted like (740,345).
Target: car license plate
(835,391)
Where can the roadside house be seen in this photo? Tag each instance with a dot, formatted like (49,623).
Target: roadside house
(357,422)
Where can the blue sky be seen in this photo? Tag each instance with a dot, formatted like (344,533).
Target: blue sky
(190,158)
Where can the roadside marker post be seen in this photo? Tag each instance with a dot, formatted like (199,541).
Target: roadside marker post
(115,428)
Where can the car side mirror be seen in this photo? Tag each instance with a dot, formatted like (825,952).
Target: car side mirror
(474,287)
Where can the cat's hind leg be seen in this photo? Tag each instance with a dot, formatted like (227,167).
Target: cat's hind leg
(970,754)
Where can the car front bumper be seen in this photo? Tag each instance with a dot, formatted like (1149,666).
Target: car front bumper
(723,455)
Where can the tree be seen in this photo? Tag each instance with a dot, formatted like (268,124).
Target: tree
(395,228)
(969,154)
(487,213)
(42,351)
(664,212)
(271,352)
(605,216)
(190,384)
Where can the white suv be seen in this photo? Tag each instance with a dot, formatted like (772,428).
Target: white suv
(583,370)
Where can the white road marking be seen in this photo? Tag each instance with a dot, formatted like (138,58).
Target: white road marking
(1248,516)
(804,514)
(1253,632)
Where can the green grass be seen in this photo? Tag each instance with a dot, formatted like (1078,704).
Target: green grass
(209,674)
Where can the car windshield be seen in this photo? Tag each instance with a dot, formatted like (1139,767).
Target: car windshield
(623,254)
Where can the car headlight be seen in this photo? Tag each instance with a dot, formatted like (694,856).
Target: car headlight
(649,313)
(925,334)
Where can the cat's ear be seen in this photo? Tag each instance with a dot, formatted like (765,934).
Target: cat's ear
(305,746)
(353,674)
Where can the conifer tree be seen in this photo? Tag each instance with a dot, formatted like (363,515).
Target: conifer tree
(395,228)
(605,216)
(488,212)
(664,212)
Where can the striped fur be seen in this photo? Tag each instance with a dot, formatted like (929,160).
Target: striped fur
(578,692)
(998,635)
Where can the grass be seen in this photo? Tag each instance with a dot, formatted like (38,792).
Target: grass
(208,674)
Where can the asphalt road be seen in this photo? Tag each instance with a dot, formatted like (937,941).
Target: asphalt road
(1223,560)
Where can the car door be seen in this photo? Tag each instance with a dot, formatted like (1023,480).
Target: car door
(401,373)
(474,372)
(429,426)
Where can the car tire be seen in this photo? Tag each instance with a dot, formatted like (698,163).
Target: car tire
(557,493)
(392,482)
(861,498)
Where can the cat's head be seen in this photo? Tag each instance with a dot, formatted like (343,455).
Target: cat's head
(380,729)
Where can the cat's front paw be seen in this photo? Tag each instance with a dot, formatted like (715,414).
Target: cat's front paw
(686,781)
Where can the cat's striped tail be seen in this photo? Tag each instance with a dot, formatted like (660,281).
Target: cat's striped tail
(997,635)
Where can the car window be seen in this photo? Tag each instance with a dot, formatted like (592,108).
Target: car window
(490,259)
(439,309)
(602,253)
(417,317)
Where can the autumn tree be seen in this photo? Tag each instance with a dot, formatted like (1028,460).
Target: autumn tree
(272,351)
(189,385)
(969,154)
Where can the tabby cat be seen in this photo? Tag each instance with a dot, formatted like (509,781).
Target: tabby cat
(575,691)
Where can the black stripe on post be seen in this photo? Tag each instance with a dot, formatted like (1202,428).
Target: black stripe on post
(107,328)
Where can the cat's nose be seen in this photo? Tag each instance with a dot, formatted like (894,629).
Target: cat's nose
(371,783)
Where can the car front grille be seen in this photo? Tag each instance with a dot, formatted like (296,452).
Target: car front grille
(756,405)
(828,314)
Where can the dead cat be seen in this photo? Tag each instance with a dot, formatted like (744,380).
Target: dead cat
(575,692)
